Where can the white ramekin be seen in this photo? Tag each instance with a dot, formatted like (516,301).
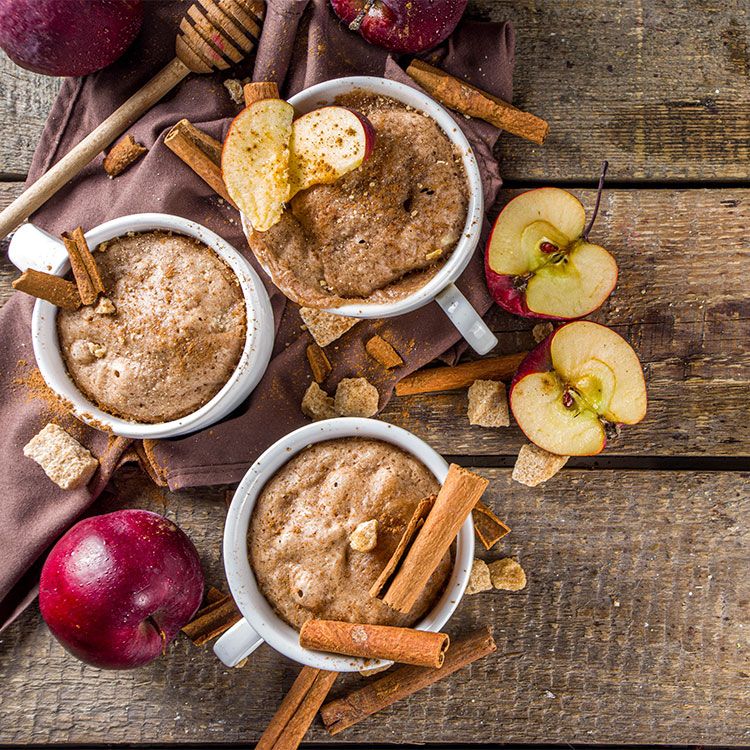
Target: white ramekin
(33,248)
(440,287)
(260,623)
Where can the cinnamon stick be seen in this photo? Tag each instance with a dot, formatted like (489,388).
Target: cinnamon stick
(49,287)
(122,155)
(259,90)
(439,379)
(458,495)
(213,620)
(297,711)
(410,533)
(201,153)
(319,363)
(344,712)
(402,645)
(472,101)
(488,527)
(86,273)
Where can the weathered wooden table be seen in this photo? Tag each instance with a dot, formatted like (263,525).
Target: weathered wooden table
(635,625)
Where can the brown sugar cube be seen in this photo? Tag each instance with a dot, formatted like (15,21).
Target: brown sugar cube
(319,363)
(326,327)
(507,574)
(488,404)
(122,155)
(535,465)
(317,404)
(356,397)
(365,537)
(479,578)
(541,330)
(381,351)
(64,460)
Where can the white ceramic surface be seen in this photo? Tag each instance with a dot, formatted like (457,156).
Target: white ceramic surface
(260,623)
(441,287)
(33,248)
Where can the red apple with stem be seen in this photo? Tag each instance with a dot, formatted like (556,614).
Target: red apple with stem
(68,37)
(401,25)
(539,262)
(576,387)
(116,589)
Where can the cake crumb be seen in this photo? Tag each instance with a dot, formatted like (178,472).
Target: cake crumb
(488,404)
(105,306)
(541,330)
(365,537)
(507,574)
(98,350)
(326,327)
(535,465)
(356,397)
(317,404)
(64,460)
(234,87)
(479,578)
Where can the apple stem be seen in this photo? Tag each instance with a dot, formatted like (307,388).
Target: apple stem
(599,190)
(357,22)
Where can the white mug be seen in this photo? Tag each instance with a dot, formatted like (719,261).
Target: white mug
(260,623)
(441,287)
(31,247)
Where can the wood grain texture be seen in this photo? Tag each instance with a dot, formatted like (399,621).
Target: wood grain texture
(633,629)
(9,191)
(659,88)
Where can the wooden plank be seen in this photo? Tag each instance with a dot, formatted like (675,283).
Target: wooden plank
(25,101)
(8,192)
(661,94)
(681,300)
(633,629)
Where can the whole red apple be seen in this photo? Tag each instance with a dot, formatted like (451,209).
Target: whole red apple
(68,37)
(401,25)
(116,589)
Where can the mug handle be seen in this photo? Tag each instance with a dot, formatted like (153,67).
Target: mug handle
(466,319)
(237,643)
(31,247)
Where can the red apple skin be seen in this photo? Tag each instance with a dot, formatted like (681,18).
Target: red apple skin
(404,25)
(369,129)
(68,37)
(117,588)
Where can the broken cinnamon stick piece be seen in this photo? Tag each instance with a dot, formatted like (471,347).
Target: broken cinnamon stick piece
(381,351)
(122,155)
(319,363)
(458,495)
(412,529)
(213,620)
(471,101)
(259,90)
(439,379)
(83,265)
(376,695)
(297,711)
(489,528)
(403,645)
(49,287)
(213,595)
(201,153)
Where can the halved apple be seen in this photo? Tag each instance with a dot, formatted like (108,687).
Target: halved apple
(326,144)
(538,262)
(255,161)
(576,387)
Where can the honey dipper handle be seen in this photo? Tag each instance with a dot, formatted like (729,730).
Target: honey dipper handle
(95,142)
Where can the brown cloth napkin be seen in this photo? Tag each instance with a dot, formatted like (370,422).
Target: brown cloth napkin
(302,43)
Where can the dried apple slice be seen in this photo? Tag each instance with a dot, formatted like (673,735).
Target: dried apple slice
(326,144)
(255,161)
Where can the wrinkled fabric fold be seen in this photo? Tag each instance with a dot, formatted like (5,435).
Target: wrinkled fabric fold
(302,43)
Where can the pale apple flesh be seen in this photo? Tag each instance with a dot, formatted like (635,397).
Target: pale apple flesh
(580,382)
(255,161)
(537,263)
(326,144)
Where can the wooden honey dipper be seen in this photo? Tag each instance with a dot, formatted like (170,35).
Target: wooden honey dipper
(213,35)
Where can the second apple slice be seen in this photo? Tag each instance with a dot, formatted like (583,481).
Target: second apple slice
(326,144)
(255,161)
